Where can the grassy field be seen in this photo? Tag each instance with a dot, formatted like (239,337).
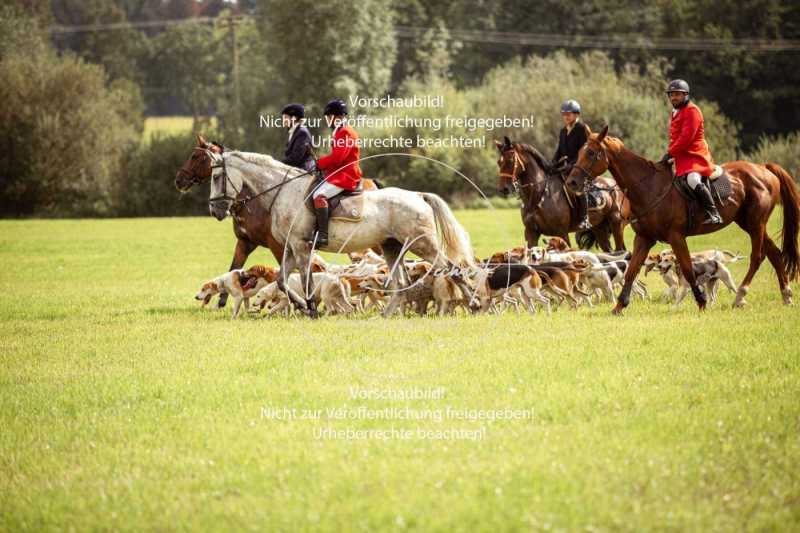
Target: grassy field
(168,126)
(125,406)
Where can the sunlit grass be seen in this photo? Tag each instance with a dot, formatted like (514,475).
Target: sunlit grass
(127,406)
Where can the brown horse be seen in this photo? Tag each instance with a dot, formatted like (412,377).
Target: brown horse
(251,224)
(661,214)
(546,206)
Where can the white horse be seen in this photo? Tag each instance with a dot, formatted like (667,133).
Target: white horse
(395,219)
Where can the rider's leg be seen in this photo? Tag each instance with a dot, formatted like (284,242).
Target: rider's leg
(321,195)
(703,193)
(583,211)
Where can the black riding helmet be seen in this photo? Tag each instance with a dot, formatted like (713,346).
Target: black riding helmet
(335,107)
(677,86)
(294,110)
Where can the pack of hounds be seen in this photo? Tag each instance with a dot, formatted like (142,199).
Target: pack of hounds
(541,277)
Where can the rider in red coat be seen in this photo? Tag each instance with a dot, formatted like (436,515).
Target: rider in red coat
(340,167)
(688,147)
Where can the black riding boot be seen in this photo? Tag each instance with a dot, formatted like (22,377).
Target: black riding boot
(583,211)
(322,226)
(703,194)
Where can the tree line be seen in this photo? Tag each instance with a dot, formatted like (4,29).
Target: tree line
(80,75)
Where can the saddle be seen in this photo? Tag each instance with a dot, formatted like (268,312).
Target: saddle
(719,183)
(347,206)
(595,198)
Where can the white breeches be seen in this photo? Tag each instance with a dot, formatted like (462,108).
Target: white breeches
(693,179)
(328,190)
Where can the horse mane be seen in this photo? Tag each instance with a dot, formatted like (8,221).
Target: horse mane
(255,158)
(535,154)
(616,145)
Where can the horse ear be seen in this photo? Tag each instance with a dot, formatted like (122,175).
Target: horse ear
(201,141)
(499,145)
(507,141)
(603,134)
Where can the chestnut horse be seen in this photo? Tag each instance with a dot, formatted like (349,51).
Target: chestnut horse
(251,225)
(546,207)
(660,212)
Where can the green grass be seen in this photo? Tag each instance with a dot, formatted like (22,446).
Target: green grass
(126,406)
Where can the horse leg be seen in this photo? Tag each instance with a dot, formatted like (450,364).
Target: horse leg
(756,257)
(775,257)
(307,281)
(601,234)
(681,250)
(287,265)
(391,252)
(240,254)
(532,237)
(641,247)
(618,229)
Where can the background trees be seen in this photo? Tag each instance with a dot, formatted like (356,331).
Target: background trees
(78,74)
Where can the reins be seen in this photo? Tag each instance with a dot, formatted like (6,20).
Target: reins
(236,202)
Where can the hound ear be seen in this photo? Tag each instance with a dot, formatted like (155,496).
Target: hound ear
(603,134)
(201,141)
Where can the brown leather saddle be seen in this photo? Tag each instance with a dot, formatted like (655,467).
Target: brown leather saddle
(721,189)
(347,206)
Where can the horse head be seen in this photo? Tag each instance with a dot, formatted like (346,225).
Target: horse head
(510,167)
(197,168)
(592,162)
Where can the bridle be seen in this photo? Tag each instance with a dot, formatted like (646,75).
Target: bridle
(589,177)
(236,202)
(223,196)
(519,166)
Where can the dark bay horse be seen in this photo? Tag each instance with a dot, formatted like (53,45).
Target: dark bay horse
(546,206)
(251,224)
(660,212)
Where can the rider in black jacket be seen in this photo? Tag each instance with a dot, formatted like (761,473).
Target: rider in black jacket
(298,147)
(572,137)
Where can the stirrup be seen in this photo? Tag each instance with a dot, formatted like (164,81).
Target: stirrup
(321,239)
(585,224)
(712,218)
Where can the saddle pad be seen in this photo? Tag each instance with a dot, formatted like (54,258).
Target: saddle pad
(349,208)
(722,187)
(596,199)
(345,207)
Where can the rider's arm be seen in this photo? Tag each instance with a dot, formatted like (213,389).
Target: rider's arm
(297,154)
(339,152)
(559,149)
(691,123)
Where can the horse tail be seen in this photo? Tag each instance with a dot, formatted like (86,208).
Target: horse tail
(790,198)
(586,239)
(457,246)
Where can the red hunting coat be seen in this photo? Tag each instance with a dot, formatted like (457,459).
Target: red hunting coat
(687,143)
(337,165)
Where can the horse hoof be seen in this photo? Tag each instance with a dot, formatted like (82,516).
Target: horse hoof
(617,311)
(739,304)
(787,296)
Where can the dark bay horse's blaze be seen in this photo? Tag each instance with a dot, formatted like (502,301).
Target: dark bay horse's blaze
(252,225)
(546,209)
(660,213)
